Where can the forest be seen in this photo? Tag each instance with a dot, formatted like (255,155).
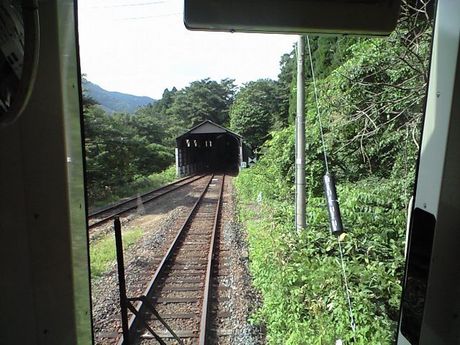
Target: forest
(371,95)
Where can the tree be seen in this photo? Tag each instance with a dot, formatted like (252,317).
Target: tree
(202,100)
(121,148)
(373,103)
(286,83)
(254,110)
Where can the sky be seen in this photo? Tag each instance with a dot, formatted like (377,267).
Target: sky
(142,47)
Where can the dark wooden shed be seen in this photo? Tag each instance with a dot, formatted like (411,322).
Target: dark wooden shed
(209,147)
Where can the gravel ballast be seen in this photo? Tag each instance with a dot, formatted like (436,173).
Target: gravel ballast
(160,222)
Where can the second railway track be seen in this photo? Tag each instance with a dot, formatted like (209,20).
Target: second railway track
(107,214)
(180,289)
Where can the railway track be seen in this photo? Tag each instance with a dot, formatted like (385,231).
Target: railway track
(108,213)
(180,290)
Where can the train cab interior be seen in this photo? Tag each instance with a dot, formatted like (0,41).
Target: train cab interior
(44,279)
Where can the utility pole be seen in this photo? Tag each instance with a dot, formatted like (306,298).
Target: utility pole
(300,138)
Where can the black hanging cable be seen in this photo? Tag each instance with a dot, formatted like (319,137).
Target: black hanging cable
(335,218)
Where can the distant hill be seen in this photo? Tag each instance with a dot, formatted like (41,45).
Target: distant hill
(115,101)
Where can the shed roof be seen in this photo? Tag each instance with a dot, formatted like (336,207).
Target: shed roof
(208,127)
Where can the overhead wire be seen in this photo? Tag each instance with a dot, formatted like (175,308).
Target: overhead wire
(347,290)
(323,142)
(151,17)
(317,106)
(150,3)
(137,4)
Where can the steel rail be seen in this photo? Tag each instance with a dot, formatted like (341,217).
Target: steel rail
(207,289)
(144,201)
(120,203)
(134,320)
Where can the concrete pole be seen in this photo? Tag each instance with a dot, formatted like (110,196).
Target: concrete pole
(300,138)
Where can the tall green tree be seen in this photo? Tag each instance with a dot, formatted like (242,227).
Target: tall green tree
(203,100)
(255,109)
(121,148)
(156,120)
(328,53)
(286,83)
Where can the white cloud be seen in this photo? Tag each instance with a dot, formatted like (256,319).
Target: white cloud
(142,47)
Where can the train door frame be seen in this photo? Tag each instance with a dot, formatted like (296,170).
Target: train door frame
(431,316)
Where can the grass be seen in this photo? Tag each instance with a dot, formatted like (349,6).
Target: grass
(103,254)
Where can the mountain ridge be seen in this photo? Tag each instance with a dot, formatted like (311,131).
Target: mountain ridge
(114,101)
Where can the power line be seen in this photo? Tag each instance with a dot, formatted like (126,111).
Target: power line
(150,17)
(347,290)
(131,5)
(317,106)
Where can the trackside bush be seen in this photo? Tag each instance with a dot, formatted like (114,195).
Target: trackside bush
(299,275)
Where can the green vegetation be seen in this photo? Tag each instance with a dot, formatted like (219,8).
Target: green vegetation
(299,275)
(371,98)
(103,254)
(124,150)
(255,108)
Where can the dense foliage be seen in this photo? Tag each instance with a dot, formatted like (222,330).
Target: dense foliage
(371,98)
(255,108)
